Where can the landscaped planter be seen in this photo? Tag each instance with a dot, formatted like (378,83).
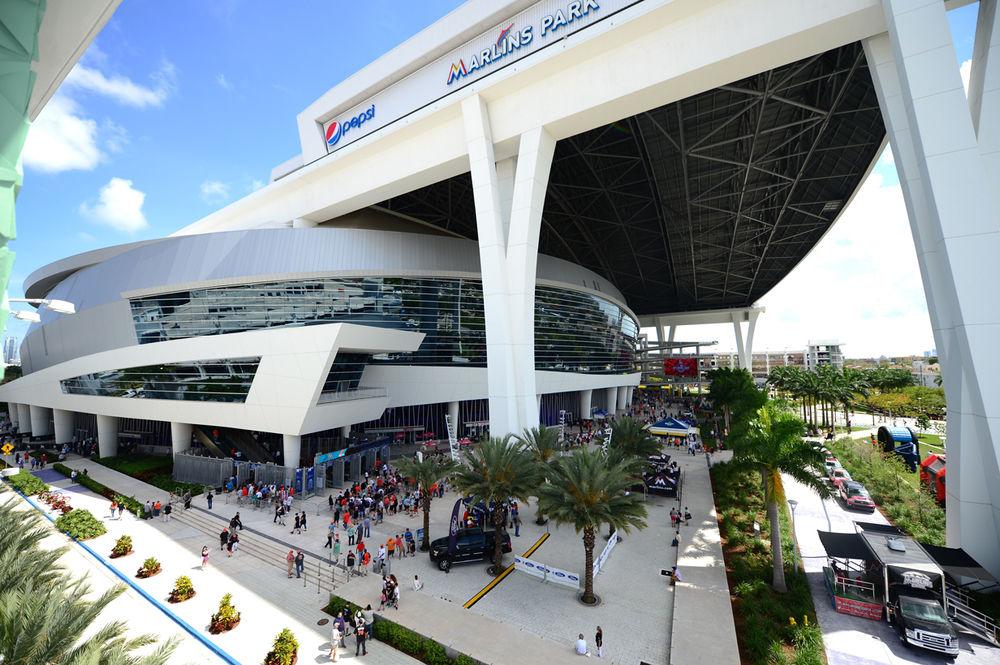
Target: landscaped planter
(149,568)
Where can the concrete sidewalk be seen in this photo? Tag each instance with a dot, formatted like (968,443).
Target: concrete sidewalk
(703,629)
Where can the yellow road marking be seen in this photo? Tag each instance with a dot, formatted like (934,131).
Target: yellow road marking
(507,571)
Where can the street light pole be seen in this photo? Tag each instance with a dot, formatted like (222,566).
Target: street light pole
(795,539)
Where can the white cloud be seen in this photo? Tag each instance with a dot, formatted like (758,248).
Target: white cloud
(860,285)
(224,83)
(119,205)
(255,184)
(62,139)
(965,70)
(114,135)
(123,89)
(214,191)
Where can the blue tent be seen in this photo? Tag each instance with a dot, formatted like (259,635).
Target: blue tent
(670,427)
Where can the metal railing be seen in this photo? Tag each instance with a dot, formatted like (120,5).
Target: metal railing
(977,622)
(860,588)
(349,395)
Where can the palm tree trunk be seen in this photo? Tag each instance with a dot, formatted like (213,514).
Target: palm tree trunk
(425,543)
(588,566)
(777,558)
(498,522)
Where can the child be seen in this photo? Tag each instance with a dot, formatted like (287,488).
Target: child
(204,557)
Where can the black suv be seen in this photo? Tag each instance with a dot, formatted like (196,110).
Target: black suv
(470,545)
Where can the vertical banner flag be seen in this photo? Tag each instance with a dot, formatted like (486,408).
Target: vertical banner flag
(453,527)
(310,479)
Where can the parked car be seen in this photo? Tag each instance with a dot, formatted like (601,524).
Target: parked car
(839,476)
(470,545)
(856,497)
(831,463)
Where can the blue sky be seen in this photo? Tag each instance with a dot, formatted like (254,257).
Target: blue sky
(180,107)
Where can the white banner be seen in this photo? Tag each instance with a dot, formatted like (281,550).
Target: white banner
(599,563)
(547,573)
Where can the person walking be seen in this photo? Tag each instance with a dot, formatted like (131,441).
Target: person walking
(298,525)
(368,616)
(331,531)
(290,559)
(209,498)
(336,550)
(300,564)
(277,512)
(360,634)
(351,531)
(204,557)
(599,642)
(399,546)
(167,509)
(687,516)
(351,560)
(304,527)
(335,637)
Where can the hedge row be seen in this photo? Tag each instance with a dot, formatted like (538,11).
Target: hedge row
(26,483)
(129,503)
(401,638)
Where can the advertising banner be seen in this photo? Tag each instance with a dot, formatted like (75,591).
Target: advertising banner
(547,573)
(298,481)
(680,367)
(858,608)
(453,527)
(311,479)
(599,562)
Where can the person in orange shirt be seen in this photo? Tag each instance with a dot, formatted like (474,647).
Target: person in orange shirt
(390,546)
(366,558)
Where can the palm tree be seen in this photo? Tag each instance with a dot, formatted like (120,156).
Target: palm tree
(734,391)
(44,614)
(586,490)
(426,472)
(543,445)
(631,439)
(495,470)
(771,444)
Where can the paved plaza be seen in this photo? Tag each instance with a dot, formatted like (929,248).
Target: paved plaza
(521,620)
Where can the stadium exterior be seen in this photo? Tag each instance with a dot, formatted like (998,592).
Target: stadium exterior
(481,219)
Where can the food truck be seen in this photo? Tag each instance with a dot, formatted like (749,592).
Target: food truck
(881,574)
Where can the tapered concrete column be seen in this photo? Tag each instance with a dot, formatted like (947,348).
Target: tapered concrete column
(299,223)
(107,435)
(24,418)
(180,437)
(345,432)
(622,397)
(63,421)
(12,412)
(585,403)
(944,156)
(41,420)
(611,399)
(631,395)
(453,415)
(291,446)
(508,256)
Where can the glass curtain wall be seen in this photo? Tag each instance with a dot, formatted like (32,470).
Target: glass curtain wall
(226,380)
(574,332)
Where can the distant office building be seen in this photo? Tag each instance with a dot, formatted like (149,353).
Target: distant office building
(824,352)
(925,374)
(10,355)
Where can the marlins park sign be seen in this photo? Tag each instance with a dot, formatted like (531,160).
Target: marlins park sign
(539,26)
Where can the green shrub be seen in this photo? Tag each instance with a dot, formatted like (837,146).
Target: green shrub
(183,589)
(27,484)
(226,618)
(122,546)
(283,650)
(80,524)
(128,503)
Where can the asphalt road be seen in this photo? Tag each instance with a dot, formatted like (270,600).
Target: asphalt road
(852,640)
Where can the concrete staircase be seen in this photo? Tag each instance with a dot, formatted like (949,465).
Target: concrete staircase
(265,548)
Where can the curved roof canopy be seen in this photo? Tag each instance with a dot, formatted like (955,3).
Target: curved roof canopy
(707,202)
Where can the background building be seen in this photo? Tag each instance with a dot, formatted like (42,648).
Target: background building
(10,351)
(824,353)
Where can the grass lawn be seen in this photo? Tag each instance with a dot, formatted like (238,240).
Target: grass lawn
(157,470)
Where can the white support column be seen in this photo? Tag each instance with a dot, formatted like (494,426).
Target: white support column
(300,223)
(610,399)
(24,418)
(738,331)
(508,253)
(586,404)
(40,420)
(12,412)
(631,394)
(953,207)
(453,415)
(748,345)
(671,331)
(984,87)
(345,432)
(63,422)
(622,398)
(291,447)
(180,437)
(107,435)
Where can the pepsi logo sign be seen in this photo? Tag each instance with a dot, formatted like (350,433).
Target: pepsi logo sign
(337,129)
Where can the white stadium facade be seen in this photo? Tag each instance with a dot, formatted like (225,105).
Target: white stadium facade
(480,221)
